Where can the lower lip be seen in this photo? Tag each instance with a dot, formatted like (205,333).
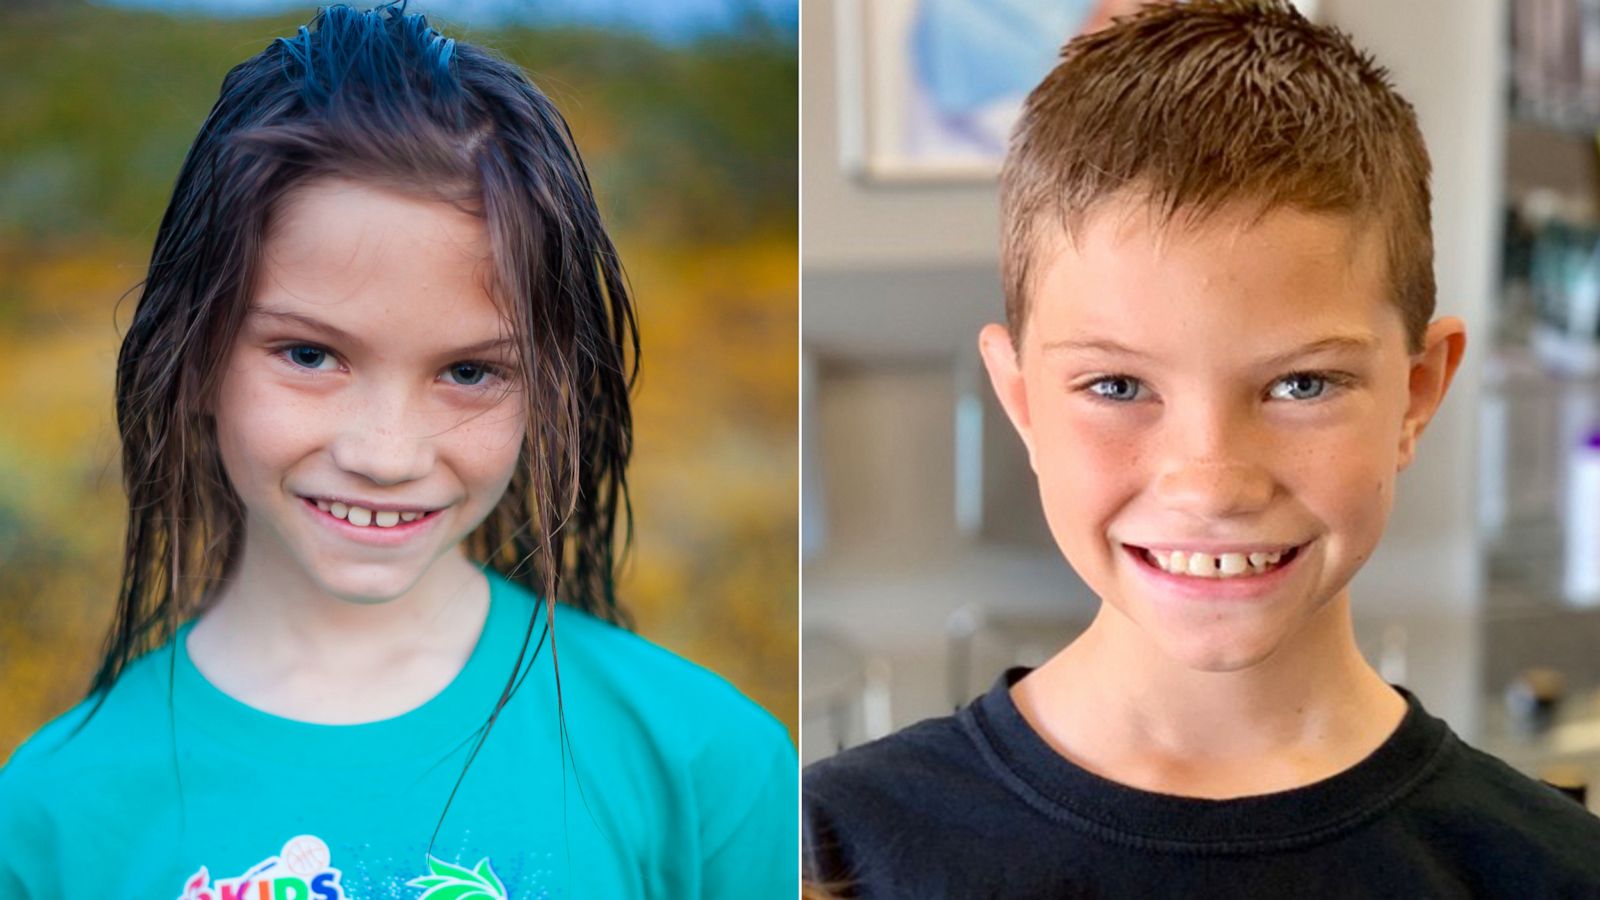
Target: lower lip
(401,533)
(1195,587)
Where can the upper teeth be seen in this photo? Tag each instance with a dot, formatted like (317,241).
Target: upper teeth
(360,515)
(1222,565)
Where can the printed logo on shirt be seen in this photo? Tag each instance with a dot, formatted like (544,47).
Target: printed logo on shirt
(447,882)
(301,871)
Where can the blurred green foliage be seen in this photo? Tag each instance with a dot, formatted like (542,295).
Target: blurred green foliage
(697,141)
(693,151)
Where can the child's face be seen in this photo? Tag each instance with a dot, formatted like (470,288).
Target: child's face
(1204,442)
(393,411)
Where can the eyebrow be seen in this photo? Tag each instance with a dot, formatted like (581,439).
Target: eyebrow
(1362,343)
(347,337)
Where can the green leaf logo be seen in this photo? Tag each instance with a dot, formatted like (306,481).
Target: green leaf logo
(448,882)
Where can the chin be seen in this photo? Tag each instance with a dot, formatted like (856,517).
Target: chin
(1218,652)
(367,585)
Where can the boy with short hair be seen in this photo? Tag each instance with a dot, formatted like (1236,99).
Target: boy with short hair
(1221,210)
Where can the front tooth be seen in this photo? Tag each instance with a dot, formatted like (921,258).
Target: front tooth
(387,519)
(338,509)
(360,515)
(1202,564)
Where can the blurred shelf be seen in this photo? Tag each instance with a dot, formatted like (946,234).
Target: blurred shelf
(1575,119)
(1530,410)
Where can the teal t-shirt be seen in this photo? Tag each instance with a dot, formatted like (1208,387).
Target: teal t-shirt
(675,785)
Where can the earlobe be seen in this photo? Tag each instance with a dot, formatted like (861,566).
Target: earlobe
(1431,372)
(1003,362)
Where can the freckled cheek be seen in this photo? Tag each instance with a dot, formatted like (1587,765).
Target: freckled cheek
(259,426)
(1075,447)
(1083,468)
(487,447)
(1345,485)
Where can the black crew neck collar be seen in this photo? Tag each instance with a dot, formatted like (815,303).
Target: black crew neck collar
(1063,790)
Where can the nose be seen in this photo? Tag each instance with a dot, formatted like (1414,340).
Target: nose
(384,439)
(1208,490)
(1213,470)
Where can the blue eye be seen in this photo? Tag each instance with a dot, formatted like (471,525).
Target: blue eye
(1305,387)
(472,374)
(480,375)
(1114,396)
(480,369)
(298,354)
(1301,378)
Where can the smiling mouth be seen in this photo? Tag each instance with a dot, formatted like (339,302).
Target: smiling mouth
(376,522)
(1221,567)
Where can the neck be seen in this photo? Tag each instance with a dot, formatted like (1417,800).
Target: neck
(271,606)
(275,640)
(1112,702)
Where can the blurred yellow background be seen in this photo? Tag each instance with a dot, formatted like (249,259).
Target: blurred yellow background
(691,142)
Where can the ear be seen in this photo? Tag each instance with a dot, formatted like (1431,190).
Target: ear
(1001,358)
(1431,372)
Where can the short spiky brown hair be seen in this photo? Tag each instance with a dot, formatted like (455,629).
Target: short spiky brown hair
(1200,105)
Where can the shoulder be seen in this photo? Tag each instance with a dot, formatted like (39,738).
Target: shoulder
(930,756)
(678,697)
(77,764)
(614,675)
(121,724)
(1496,796)
(724,768)
(1483,819)
(929,779)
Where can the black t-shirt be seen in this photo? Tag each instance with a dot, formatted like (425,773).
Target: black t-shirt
(978,805)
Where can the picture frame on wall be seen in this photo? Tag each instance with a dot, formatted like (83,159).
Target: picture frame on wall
(929,89)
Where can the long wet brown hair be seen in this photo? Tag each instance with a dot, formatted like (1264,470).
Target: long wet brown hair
(382,98)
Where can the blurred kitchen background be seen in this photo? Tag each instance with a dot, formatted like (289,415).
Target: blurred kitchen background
(927,568)
(685,114)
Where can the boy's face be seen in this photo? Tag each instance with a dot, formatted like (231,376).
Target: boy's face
(1200,441)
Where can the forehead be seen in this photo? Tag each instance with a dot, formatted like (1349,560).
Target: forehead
(1235,278)
(344,250)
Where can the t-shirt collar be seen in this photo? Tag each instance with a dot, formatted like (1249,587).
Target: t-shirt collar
(1061,789)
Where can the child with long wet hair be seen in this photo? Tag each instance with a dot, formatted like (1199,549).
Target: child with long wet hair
(374,405)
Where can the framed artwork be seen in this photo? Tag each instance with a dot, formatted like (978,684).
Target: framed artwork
(929,89)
